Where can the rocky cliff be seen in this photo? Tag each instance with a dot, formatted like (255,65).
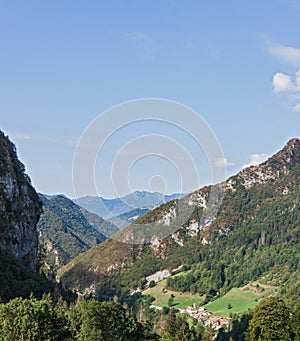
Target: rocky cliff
(20,207)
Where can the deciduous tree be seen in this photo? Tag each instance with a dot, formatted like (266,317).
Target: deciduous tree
(271,321)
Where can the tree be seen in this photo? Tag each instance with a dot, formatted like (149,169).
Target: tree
(176,328)
(171,300)
(271,321)
(170,327)
(101,321)
(152,284)
(183,331)
(296,323)
(208,334)
(23,319)
(237,330)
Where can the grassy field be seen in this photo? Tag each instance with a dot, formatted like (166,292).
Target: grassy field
(181,300)
(239,299)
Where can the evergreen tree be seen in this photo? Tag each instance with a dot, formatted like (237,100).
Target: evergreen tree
(296,323)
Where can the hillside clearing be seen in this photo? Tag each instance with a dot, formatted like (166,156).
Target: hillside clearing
(162,295)
(239,300)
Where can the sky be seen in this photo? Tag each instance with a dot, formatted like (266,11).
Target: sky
(65,63)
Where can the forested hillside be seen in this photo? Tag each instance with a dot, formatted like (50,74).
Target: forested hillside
(255,235)
(66,230)
(251,242)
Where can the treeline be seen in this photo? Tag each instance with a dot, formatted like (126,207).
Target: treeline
(90,320)
(41,320)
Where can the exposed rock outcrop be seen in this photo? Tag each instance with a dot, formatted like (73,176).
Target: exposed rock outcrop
(20,207)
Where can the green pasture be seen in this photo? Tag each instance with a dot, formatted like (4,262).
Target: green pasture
(162,295)
(239,300)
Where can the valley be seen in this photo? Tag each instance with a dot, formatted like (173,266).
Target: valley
(150,170)
(207,271)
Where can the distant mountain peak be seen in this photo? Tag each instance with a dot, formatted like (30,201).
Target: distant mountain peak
(143,194)
(108,208)
(52,196)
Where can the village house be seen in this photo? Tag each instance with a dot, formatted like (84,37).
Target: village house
(205,317)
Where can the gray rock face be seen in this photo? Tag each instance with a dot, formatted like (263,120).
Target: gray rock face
(20,207)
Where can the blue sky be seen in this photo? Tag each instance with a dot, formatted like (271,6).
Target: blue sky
(62,63)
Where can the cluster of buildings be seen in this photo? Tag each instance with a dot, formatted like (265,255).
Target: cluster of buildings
(205,317)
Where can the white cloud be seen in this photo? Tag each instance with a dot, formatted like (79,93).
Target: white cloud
(222,162)
(287,54)
(285,83)
(296,108)
(256,159)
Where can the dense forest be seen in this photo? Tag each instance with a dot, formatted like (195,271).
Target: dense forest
(66,230)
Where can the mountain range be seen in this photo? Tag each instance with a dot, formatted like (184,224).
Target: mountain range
(108,208)
(245,228)
(214,247)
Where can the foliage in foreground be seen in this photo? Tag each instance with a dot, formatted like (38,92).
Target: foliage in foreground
(271,321)
(40,320)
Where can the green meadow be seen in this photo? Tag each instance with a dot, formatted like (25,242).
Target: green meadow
(162,295)
(239,300)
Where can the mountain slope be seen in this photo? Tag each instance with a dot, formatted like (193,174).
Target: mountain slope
(68,230)
(20,207)
(108,208)
(254,234)
(103,226)
(128,218)
(20,210)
